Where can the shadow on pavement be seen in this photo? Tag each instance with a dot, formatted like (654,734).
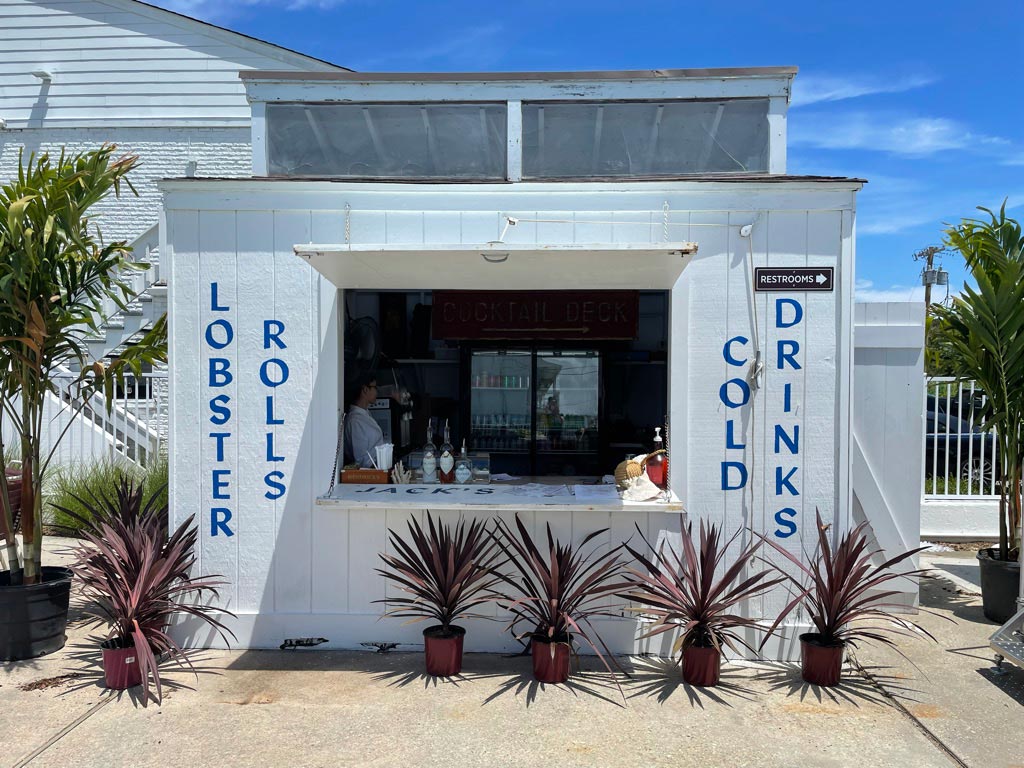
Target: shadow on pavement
(599,685)
(85,664)
(662,678)
(853,687)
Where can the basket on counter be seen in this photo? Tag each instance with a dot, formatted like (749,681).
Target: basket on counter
(634,467)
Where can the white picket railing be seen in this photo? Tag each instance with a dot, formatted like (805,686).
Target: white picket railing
(961,461)
(134,430)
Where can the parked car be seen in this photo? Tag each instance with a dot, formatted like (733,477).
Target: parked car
(955,446)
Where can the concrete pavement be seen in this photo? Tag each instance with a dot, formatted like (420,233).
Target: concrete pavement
(309,708)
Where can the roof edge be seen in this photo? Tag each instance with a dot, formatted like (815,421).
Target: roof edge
(226,30)
(626,74)
(753,179)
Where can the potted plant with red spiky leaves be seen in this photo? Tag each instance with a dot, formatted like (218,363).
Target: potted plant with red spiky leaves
(556,592)
(845,597)
(137,579)
(447,572)
(681,592)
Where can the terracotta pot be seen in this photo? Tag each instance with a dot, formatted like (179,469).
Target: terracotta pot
(701,666)
(120,665)
(550,659)
(820,663)
(443,650)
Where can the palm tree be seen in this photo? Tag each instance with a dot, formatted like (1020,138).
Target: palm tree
(982,335)
(56,273)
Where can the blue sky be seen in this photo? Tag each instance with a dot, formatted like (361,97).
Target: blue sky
(923,99)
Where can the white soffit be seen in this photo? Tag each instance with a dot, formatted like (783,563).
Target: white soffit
(499,266)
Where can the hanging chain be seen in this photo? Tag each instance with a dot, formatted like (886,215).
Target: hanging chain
(664,221)
(337,454)
(348,224)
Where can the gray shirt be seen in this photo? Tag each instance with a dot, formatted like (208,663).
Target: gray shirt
(362,435)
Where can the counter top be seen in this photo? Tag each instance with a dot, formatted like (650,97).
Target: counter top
(529,497)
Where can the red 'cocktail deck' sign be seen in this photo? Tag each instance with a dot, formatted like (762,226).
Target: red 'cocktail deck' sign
(591,315)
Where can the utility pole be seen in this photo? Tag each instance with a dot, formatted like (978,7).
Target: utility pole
(929,275)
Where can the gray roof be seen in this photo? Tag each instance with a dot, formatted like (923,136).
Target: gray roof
(448,77)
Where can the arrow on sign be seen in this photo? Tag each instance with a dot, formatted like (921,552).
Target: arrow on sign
(820,279)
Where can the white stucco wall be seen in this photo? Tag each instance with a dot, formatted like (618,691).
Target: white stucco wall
(164,153)
(296,569)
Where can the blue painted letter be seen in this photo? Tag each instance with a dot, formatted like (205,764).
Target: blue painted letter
(781,481)
(723,393)
(726,466)
(220,376)
(213,300)
(730,435)
(229,334)
(786,527)
(727,350)
(798,313)
(219,518)
(781,437)
(282,372)
(277,489)
(788,357)
(221,412)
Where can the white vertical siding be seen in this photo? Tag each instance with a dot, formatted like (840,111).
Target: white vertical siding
(308,570)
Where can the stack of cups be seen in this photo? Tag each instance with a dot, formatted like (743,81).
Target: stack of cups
(385,455)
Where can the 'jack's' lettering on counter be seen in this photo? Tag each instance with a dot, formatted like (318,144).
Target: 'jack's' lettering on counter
(219,336)
(735,393)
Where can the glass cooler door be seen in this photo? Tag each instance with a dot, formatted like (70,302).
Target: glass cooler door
(566,410)
(500,383)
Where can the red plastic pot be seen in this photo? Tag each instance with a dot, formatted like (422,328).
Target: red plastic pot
(443,650)
(550,659)
(120,666)
(701,666)
(821,663)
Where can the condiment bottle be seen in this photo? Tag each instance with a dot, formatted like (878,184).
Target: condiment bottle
(657,463)
(430,457)
(463,467)
(446,459)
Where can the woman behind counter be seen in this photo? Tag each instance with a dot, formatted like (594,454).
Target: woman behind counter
(362,433)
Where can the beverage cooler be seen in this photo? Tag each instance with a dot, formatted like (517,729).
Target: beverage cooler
(535,411)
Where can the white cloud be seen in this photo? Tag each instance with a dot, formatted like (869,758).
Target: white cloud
(814,89)
(865,291)
(472,48)
(215,10)
(908,136)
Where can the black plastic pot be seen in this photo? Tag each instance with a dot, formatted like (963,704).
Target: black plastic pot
(34,618)
(1000,585)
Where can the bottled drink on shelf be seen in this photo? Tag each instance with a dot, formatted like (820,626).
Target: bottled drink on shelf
(430,457)
(446,459)
(657,464)
(463,467)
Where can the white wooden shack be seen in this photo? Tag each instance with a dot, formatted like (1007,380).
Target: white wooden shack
(494,182)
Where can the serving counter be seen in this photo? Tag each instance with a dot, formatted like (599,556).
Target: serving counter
(537,495)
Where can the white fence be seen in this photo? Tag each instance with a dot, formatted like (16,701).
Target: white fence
(885,446)
(134,429)
(961,460)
